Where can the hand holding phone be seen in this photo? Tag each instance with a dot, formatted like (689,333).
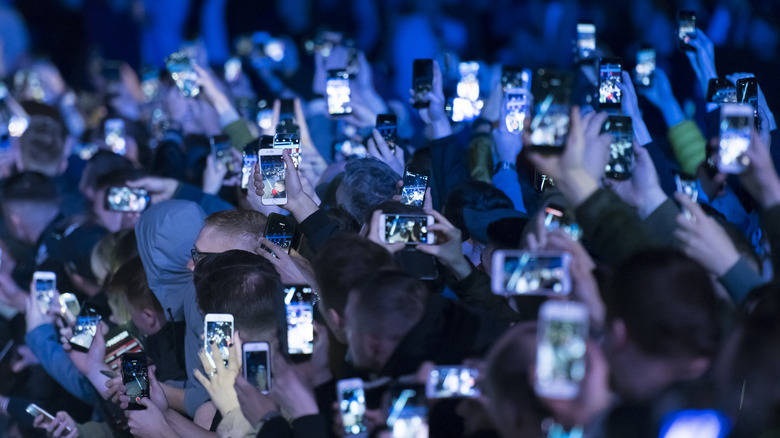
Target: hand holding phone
(415,185)
(273,168)
(126,199)
(257,365)
(183,73)
(86,328)
(352,406)
(135,377)
(35,411)
(686,29)
(218,330)
(407,228)
(299,303)
(280,231)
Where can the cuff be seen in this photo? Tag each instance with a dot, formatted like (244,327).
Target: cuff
(740,280)
(314,222)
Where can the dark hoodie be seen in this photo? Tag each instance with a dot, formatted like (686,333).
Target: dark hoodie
(166,233)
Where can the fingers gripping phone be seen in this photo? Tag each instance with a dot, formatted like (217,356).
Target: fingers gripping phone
(686,29)
(135,377)
(422,81)
(273,168)
(292,142)
(415,185)
(257,365)
(560,352)
(218,330)
(35,410)
(407,228)
(299,307)
(517,272)
(85,329)
(44,285)
(280,231)
(352,406)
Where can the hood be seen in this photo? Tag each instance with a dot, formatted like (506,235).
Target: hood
(166,232)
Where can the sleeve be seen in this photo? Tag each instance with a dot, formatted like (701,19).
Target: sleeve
(42,341)
(309,426)
(209,203)
(481,157)
(318,229)
(239,134)
(662,222)
(508,182)
(449,168)
(170,159)
(770,222)
(740,280)
(688,145)
(611,226)
(474,293)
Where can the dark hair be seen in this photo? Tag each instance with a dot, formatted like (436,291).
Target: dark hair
(343,262)
(130,282)
(117,178)
(476,195)
(43,144)
(102,163)
(389,303)
(32,187)
(367,182)
(667,302)
(242,284)
(125,248)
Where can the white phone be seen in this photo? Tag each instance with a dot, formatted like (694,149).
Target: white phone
(352,405)
(454,381)
(518,272)
(736,127)
(219,329)
(44,285)
(560,350)
(273,168)
(36,410)
(69,307)
(411,229)
(257,365)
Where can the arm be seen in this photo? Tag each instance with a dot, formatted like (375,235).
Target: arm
(508,147)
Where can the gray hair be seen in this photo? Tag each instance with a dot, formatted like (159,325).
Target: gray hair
(367,182)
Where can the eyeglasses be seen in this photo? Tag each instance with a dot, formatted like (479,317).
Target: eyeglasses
(197,255)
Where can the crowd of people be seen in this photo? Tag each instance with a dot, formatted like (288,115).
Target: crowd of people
(317,231)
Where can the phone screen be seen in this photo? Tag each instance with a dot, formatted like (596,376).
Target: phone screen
(406,228)
(686,28)
(721,91)
(610,74)
(408,412)
(621,150)
(273,170)
(352,405)
(135,378)
(115,135)
(150,83)
(645,66)
(338,91)
(735,131)
(44,293)
(422,80)
(221,333)
(550,124)
(232,69)
(85,328)
(279,231)
(449,382)
(182,72)
(127,199)
(256,368)
(299,305)
(468,86)
(531,273)
(747,92)
(555,219)
(387,126)
(514,77)
(249,161)
(413,191)
(586,40)
(560,356)
(292,142)
(515,109)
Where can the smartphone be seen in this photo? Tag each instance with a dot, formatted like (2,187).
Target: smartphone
(542,181)
(560,350)
(515,77)
(518,272)
(411,229)
(747,92)
(610,74)
(338,92)
(265,115)
(69,307)
(114,130)
(415,184)
(85,328)
(721,91)
(126,199)
(515,109)
(550,124)
(387,125)
(150,83)
(280,231)
(257,365)
(179,65)
(701,423)
(35,410)
(292,142)
(273,168)
(352,405)
(452,382)
(248,162)
(461,109)
(118,342)
(135,377)
(621,151)
(688,186)
(348,149)
(44,285)
(218,329)
(232,69)
(220,150)
(686,29)
(586,41)
(736,127)
(645,65)
(299,307)
(287,123)
(408,416)
(468,89)
(422,81)
(556,218)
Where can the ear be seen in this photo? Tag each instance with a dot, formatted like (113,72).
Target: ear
(150,318)
(337,319)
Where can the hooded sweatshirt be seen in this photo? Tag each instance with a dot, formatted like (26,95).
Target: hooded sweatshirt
(166,232)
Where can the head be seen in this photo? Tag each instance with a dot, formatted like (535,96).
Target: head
(230,229)
(244,285)
(42,147)
(30,203)
(102,163)
(381,310)
(78,247)
(367,182)
(340,265)
(662,322)
(114,220)
(129,290)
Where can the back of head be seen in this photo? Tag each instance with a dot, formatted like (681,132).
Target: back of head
(244,227)
(367,182)
(31,195)
(130,286)
(342,263)
(667,303)
(244,285)
(102,163)
(387,304)
(42,145)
